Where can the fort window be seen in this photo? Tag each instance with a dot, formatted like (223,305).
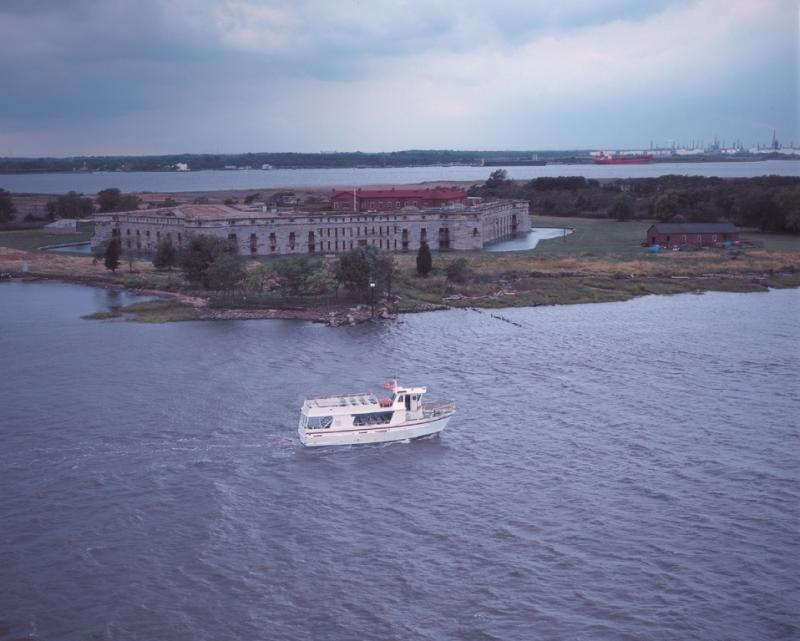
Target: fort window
(147,233)
(128,232)
(291,240)
(311,242)
(180,239)
(423,235)
(129,243)
(158,236)
(444,238)
(474,231)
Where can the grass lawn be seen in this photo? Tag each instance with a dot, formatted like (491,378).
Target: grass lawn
(603,237)
(32,239)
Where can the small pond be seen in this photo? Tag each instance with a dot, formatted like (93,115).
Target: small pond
(74,248)
(528,241)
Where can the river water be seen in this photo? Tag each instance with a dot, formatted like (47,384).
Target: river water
(614,471)
(214,180)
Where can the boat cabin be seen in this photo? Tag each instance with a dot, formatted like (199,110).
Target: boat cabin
(324,412)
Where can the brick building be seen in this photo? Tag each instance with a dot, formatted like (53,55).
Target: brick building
(700,234)
(390,199)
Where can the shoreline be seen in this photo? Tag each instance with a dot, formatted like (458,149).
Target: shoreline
(177,304)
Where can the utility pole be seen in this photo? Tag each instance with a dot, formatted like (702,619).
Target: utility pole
(372,298)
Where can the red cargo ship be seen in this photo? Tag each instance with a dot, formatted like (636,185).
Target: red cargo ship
(622,160)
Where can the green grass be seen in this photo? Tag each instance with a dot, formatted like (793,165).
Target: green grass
(151,311)
(593,237)
(102,315)
(32,239)
(160,311)
(773,240)
(603,237)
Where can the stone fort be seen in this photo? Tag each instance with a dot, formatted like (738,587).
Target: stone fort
(393,220)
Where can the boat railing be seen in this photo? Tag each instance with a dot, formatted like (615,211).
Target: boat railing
(438,408)
(337,396)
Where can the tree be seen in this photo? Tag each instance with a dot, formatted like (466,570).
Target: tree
(225,272)
(108,199)
(294,272)
(112,255)
(70,205)
(424,260)
(497,178)
(166,255)
(622,209)
(112,199)
(669,204)
(202,252)
(361,266)
(7,208)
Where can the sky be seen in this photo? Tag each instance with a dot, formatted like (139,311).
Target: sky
(105,77)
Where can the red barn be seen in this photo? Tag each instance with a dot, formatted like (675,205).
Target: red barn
(700,234)
(388,199)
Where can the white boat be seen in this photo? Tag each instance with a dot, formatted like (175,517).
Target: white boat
(353,419)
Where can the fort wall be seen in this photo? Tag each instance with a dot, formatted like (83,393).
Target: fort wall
(257,232)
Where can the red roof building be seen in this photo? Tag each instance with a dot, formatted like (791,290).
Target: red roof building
(698,234)
(389,199)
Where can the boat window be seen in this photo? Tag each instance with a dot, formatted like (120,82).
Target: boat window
(373,418)
(319,422)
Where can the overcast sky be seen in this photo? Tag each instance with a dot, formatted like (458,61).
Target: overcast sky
(166,76)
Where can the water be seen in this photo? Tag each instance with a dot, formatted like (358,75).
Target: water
(529,240)
(615,471)
(176,181)
(74,248)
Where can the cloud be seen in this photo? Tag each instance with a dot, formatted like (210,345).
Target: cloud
(382,74)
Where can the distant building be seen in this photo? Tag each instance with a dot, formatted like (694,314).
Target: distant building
(181,166)
(700,234)
(390,199)
(259,231)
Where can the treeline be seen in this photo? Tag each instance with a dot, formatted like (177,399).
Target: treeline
(410,157)
(770,203)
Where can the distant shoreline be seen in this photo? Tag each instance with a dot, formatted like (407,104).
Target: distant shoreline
(566,161)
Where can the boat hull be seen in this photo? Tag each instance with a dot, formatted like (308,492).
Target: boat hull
(382,434)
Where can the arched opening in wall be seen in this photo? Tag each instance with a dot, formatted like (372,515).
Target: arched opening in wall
(444,238)
(273,242)
(291,240)
(423,235)
(311,242)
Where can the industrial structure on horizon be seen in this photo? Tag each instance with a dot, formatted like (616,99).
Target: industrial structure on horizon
(392,220)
